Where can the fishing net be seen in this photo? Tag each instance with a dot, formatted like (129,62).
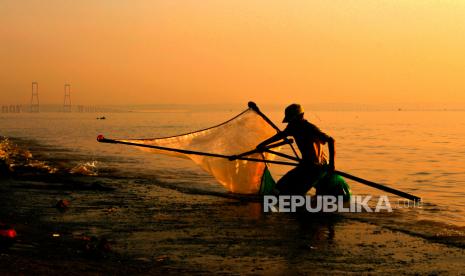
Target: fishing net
(238,135)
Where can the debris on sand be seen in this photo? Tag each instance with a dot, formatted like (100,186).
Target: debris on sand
(162,259)
(112,210)
(95,247)
(62,205)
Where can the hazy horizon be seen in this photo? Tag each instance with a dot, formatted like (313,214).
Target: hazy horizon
(237,107)
(212,52)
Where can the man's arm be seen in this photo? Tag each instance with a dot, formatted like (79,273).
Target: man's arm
(275,138)
(262,145)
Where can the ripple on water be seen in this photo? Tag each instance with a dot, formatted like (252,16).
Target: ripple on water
(420,173)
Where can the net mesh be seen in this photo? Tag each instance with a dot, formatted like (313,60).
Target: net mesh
(240,134)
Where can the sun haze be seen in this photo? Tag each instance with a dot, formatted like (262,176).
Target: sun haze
(214,51)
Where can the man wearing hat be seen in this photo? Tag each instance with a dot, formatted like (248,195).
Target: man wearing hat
(309,139)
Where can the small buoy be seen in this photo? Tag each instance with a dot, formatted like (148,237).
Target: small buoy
(8,233)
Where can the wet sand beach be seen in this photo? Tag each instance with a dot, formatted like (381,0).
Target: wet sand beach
(181,232)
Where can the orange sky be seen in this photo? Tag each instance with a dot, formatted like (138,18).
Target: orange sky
(214,51)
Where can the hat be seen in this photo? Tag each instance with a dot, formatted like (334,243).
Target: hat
(292,112)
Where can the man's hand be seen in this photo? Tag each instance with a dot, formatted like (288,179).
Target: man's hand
(233,157)
(261,147)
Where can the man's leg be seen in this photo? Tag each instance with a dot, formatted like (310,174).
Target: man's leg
(310,176)
(288,183)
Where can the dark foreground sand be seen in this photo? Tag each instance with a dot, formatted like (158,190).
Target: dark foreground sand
(138,228)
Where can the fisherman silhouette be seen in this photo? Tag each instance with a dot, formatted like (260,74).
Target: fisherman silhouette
(309,139)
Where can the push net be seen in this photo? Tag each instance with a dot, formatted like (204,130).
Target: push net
(235,136)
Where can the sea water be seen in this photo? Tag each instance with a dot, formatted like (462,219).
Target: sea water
(419,152)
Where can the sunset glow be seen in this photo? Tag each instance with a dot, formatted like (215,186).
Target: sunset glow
(117,52)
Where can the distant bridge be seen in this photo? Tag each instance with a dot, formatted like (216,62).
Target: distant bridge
(12,108)
(19,108)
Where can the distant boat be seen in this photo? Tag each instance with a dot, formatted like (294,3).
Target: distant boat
(101,118)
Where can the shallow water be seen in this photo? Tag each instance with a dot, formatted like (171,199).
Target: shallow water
(420,152)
